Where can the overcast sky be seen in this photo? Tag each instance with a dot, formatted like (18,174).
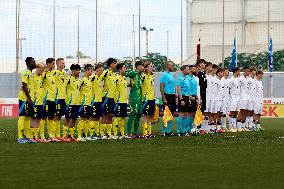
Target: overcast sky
(115,35)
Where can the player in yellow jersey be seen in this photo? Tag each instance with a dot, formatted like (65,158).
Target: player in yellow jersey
(60,83)
(36,132)
(49,102)
(108,98)
(72,101)
(85,108)
(26,102)
(148,97)
(97,95)
(120,108)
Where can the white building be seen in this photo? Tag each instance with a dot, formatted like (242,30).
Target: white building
(248,17)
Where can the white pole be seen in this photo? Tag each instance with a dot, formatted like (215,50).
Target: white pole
(133,32)
(167,44)
(236,47)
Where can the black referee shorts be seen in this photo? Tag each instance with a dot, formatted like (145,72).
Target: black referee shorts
(171,102)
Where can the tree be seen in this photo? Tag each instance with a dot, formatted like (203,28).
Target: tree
(70,56)
(258,60)
(81,55)
(158,61)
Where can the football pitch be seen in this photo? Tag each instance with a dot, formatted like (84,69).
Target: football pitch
(227,160)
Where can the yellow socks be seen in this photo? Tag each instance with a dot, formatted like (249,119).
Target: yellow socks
(115,125)
(21,125)
(86,127)
(57,124)
(97,128)
(41,128)
(65,131)
(102,129)
(50,128)
(121,126)
(145,128)
(108,129)
(34,133)
(80,127)
(149,128)
(71,132)
(27,123)
(94,128)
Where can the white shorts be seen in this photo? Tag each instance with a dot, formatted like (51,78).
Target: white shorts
(243,104)
(208,105)
(225,106)
(217,106)
(250,105)
(234,104)
(258,107)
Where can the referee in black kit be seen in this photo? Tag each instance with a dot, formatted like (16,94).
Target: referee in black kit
(202,83)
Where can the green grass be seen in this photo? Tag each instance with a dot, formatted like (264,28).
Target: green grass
(248,160)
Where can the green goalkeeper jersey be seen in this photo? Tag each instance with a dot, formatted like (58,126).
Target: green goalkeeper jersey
(136,85)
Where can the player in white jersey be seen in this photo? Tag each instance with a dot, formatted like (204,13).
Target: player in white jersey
(258,102)
(218,100)
(212,82)
(208,70)
(252,91)
(235,92)
(226,98)
(245,79)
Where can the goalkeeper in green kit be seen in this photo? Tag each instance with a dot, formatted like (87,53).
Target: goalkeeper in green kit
(135,99)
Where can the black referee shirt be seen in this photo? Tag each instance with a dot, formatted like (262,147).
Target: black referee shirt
(202,81)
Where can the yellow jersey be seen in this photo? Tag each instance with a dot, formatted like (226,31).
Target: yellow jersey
(26,77)
(60,82)
(148,90)
(97,90)
(121,92)
(73,91)
(109,84)
(49,84)
(86,91)
(38,89)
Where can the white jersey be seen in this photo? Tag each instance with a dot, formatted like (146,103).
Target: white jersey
(234,84)
(214,87)
(220,85)
(258,90)
(226,90)
(245,83)
(209,87)
(252,88)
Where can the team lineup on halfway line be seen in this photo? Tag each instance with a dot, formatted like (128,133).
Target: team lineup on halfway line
(100,100)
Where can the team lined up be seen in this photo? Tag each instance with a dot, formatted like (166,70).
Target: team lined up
(47,95)
(101,100)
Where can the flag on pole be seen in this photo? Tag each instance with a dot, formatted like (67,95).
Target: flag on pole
(270,55)
(199,118)
(198,50)
(234,56)
(167,116)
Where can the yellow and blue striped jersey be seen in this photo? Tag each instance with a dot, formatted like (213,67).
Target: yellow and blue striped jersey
(49,84)
(86,91)
(60,82)
(73,91)
(97,90)
(26,77)
(38,89)
(109,83)
(121,86)
(148,90)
